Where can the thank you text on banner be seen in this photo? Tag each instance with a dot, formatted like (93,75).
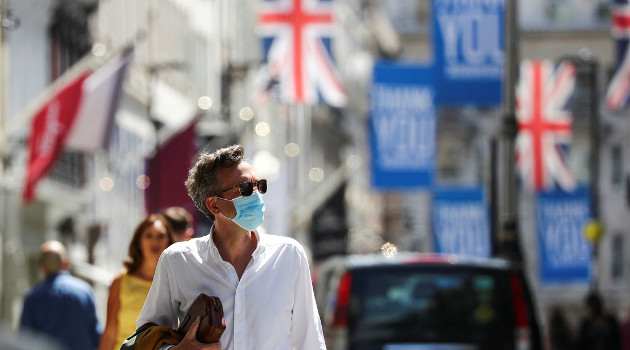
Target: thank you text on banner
(468,38)
(402,126)
(461,222)
(565,255)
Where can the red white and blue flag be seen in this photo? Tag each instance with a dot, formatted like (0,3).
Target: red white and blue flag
(543,124)
(619,87)
(77,114)
(297,48)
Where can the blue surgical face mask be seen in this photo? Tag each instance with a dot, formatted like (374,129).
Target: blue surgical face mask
(250,211)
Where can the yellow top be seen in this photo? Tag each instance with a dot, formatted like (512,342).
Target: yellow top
(133,292)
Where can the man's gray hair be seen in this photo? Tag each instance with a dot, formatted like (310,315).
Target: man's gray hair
(202,177)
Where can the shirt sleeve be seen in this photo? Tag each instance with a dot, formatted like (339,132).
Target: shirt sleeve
(27,320)
(95,326)
(306,327)
(158,307)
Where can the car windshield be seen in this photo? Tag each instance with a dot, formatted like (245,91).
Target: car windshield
(432,305)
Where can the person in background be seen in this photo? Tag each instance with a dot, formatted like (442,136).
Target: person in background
(263,280)
(181,221)
(561,336)
(598,330)
(130,288)
(624,330)
(61,306)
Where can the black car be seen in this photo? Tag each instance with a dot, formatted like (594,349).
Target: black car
(425,301)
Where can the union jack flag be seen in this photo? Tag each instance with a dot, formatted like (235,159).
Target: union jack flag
(296,41)
(619,87)
(543,124)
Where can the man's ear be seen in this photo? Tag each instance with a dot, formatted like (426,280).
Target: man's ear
(211,204)
(189,233)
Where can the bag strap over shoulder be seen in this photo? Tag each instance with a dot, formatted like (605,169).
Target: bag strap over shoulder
(130,342)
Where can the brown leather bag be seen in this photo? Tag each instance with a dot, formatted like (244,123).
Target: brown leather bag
(212,325)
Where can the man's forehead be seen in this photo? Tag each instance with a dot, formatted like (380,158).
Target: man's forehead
(242,171)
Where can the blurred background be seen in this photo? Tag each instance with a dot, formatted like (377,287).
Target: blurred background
(485,128)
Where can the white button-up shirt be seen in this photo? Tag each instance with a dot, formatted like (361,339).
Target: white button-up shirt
(271,307)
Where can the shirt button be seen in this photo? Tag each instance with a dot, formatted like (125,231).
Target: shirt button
(238,344)
(238,317)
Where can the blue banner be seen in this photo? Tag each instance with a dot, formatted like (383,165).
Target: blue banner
(461,222)
(565,255)
(402,126)
(468,38)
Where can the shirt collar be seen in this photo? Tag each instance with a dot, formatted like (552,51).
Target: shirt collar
(214,251)
(54,275)
(260,245)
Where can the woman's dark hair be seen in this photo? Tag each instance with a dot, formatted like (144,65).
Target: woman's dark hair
(135,259)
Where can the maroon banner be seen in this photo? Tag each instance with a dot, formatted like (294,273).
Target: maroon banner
(168,170)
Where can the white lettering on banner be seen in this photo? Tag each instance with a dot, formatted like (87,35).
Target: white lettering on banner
(401,97)
(460,5)
(562,233)
(405,141)
(404,125)
(463,72)
(450,31)
(462,228)
(51,129)
(472,40)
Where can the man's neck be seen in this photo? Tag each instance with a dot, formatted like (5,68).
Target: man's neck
(146,270)
(235,244)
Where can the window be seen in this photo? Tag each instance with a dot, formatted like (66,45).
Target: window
(450,157)
(69,36)
(579,157)
(408,16)
(455,305)
(564,14)
(617,258)
(616,154)
(70,41)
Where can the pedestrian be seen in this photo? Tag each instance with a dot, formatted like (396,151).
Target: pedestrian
(624,330)
(561,336)
(61,306)
(130,288)
(599,330)
(262,280)
(181,221)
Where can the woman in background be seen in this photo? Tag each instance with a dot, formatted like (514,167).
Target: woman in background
(129,289)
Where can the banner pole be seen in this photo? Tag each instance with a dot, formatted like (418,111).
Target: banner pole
(507,233)
(4,160)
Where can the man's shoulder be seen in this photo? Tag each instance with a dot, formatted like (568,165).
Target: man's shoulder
(192,246)
(74,282)
(63,284)
(275,241)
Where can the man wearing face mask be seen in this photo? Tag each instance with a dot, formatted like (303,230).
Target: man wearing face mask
(263,280)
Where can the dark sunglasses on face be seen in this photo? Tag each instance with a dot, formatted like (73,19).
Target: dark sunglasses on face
(247,188)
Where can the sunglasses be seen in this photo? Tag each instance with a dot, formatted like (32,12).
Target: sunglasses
(247,188)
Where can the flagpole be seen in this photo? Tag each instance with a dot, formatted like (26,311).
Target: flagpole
(506,216)
(594,161)
(303,136)
(3,164)
(3,136)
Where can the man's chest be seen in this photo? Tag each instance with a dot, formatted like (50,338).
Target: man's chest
(268,286)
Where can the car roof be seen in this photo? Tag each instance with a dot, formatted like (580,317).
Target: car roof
(360,261)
